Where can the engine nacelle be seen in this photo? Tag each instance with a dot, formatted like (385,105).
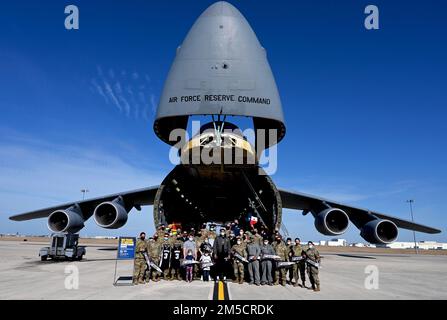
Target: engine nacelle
(111,214)
(379,231)
(69,220)
(331,222)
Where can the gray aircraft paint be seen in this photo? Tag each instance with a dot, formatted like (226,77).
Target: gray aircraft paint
(220,68)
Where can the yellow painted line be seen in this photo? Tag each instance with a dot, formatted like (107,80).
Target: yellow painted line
(221,292)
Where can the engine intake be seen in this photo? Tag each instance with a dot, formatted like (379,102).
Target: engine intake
(331,221)
(68,220)
(111,214)
(379,231)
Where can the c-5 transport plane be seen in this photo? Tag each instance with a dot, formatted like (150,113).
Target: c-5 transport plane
(221,70)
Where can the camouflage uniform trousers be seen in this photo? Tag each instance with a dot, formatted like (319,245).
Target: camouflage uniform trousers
(238,269)
(299,269)
(312,272)
(151,273)
(175,273)
(166,273)
(139,267)
(280,273)
(196,271)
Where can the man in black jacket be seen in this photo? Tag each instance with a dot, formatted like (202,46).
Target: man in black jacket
(221,251)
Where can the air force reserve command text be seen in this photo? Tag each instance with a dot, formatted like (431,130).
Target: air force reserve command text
(223,309)
(220,98)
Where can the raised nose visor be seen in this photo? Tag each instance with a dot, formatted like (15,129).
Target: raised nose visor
(220,68)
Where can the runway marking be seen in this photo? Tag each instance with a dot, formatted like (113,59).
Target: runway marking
(221,294)
(221,291)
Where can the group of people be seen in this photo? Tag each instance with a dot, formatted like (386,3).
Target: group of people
(254,256)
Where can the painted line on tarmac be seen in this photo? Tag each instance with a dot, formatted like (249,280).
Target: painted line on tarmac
(221,291)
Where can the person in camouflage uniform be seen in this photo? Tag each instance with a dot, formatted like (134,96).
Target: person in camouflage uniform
(204,231)
(212,232)
(160,232)
(139,260)
(282,251)
(228,230)
(300,267)
(147,272)
(154,255)
(312,271)
(257,238)
(184,236)
(243,238)
(274,235)
(238,265)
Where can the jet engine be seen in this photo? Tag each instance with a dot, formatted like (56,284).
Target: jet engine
(111,214)
(68,220)
(379,231)
(331,221)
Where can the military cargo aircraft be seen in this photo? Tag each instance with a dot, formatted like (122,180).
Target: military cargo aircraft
(221,70)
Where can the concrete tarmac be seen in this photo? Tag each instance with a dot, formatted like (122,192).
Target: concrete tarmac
(343,276)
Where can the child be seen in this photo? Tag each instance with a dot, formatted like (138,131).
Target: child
(205,259)
(190,267)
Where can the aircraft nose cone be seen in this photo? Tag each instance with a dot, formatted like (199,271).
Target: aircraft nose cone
(221,8)
(220,59)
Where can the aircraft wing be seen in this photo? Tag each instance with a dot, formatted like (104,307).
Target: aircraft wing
(358,216)
(134,198)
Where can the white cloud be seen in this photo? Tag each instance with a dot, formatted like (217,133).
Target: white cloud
(100,90)
(112,95)
(131,95)
(153,104)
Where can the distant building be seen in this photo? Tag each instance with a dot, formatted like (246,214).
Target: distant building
(104,237)
(358,245)
(337,243)
(423,245)
(334,243)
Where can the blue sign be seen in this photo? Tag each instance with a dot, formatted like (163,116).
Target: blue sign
(126,248)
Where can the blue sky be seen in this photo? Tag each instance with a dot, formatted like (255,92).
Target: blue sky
(365,110)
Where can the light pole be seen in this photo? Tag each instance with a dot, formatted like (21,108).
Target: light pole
(412,220)
(84,191)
